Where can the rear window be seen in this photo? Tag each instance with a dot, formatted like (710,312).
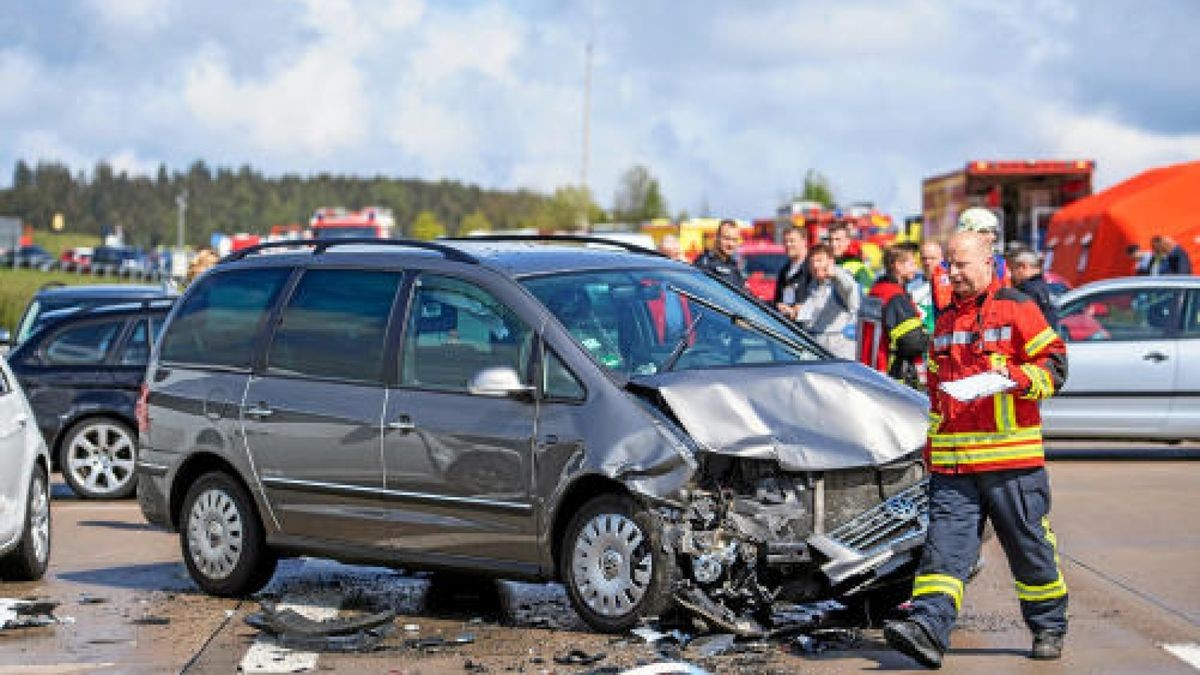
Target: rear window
(218,321)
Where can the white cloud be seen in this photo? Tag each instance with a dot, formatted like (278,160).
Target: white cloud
(1119,150)
(139,16)
(314,105)
(128,161)
(21,79)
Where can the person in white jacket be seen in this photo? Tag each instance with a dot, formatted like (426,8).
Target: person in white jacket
(829,313)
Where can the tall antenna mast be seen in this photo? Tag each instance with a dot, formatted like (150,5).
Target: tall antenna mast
(587,132)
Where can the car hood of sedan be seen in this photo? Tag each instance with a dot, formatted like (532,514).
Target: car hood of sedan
(816,416)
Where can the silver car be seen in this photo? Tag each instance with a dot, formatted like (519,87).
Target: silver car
(24,487)
(1134,348)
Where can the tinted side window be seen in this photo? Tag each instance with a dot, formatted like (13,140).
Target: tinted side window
(137,347)
(1144,314)
(334,325)
(81,345)
(1191,324)
(455,329)
(217,323)
(558,381)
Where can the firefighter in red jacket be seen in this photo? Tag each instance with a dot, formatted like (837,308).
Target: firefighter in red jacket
(903,340)
(986,460)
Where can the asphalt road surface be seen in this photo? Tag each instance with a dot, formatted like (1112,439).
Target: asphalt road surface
(1128,522)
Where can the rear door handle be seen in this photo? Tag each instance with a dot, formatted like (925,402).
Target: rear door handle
(402,423)
(550,439)
(260,411)
(1157,357)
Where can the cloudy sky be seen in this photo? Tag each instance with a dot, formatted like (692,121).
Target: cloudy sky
(728,103)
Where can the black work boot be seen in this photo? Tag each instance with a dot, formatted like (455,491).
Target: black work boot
(1047,646)
(911,639)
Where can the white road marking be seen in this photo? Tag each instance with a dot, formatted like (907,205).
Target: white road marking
(267,656)
(1189,653)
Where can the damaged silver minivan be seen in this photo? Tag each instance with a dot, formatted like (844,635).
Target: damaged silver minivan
(536,410)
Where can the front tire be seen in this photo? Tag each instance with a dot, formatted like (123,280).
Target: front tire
(99,458)
(222,539)
(614,565)
(29,560)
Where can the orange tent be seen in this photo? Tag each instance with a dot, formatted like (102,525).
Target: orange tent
(1089,237)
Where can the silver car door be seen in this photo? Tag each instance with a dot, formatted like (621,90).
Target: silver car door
(1185,406)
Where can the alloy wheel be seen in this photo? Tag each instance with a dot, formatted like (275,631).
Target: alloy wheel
(101,459)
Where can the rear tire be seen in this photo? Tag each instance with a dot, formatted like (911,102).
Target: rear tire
(614,566)
(222,539)
(99,457)
(29,560)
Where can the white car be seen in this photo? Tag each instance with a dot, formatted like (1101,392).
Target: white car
(24,487)
(1133,352)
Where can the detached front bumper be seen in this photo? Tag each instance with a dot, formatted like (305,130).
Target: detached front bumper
(877,542)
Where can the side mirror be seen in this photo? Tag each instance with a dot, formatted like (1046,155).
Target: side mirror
(498,381)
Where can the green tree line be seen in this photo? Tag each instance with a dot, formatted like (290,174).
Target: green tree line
(244,200)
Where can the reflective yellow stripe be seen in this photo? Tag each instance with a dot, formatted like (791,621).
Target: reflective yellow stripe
(904,328)
(1054,589)
(1040,341)
(950,458)
(952,440)
(1050,591)
(1035,382)
(1040,384)
(935,421)
(1005,410)
(928,584)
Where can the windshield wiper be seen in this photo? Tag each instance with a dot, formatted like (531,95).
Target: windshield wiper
(741,321)
(682,345)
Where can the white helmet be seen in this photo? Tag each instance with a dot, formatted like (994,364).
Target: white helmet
(978,219)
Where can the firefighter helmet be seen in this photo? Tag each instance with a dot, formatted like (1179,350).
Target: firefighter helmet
(978,219)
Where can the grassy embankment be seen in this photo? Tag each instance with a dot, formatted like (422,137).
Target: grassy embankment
(18,286)
(57,242)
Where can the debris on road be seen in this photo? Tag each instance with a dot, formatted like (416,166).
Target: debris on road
(150,620)
(349,634)
(27,613)
(578,657)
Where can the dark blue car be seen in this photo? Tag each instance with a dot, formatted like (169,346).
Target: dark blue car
(55,300)
(82,372)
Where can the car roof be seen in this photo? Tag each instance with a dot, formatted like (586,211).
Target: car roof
(512,258)
(1132,283)
(105,291)
(58,318)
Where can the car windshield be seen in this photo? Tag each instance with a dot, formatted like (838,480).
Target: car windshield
(641,322)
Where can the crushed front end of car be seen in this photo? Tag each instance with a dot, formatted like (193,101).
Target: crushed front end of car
(810,486)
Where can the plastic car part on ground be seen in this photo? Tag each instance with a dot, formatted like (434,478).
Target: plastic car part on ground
(295,631)
(27,613)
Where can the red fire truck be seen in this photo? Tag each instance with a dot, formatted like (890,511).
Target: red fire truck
(1022,193)
(337,223)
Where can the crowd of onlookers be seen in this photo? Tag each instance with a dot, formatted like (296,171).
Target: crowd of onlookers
(823,287)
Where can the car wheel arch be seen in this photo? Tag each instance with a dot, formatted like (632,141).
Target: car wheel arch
(584,489)
(191,470)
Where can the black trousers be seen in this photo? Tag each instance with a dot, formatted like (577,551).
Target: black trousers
(1018,504)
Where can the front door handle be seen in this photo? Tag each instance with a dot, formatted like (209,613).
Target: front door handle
(260,411)
(1157,357)
(402,423)
(550,439)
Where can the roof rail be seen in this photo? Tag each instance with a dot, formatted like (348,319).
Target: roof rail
(551,238)
(320,245)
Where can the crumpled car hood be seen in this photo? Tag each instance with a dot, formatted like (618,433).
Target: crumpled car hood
(808,417)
